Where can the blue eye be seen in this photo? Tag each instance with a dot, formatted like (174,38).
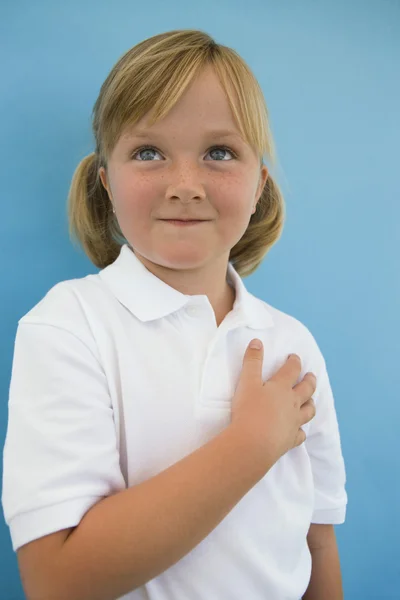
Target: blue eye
(224,149)
(152,148)
(144,149)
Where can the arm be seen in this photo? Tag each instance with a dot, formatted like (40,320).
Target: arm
(324,448)
(325,582)
(128,538)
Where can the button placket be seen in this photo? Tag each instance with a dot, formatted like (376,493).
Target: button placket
(215,383)
(216,387)
(192,311)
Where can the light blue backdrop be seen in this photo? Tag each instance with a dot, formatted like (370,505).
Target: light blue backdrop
(330,75)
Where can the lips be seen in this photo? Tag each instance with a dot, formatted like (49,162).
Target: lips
(183,223)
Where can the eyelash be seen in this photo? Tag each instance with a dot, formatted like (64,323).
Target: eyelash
(234,154)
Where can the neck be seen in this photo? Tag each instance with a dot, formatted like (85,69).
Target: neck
(226,307)
(210,282)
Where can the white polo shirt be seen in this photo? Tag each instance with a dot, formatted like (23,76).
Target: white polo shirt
(116,376)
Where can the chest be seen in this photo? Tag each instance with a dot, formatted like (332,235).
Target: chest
(172,385)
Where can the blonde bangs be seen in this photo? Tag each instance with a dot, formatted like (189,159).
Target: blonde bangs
(151,79)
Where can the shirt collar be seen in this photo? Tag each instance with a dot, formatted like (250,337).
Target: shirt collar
(148,297)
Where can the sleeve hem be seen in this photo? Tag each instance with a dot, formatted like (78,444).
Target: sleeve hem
(28,526)
(334,516)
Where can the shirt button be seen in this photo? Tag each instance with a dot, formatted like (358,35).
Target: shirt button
(192,311)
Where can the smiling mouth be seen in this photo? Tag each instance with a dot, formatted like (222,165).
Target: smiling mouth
(182,222)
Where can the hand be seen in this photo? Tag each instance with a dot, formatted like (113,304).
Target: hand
(270,414)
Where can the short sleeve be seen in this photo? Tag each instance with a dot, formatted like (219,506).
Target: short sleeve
(324,448)
(60,455)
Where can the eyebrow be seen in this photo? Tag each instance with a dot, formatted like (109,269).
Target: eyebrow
(216,133)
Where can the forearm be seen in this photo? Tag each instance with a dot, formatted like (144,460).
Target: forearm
(326,579)
(129,538)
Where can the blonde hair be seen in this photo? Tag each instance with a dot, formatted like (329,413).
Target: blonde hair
(152,76)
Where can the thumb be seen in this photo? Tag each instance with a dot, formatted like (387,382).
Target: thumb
(253,359)
(256,344)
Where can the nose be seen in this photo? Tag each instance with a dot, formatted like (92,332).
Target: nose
(185,183)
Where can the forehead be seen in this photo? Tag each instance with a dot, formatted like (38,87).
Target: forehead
(202,109)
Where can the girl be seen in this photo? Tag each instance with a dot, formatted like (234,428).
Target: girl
(151,452)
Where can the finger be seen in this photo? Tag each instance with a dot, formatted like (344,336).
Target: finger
(306,388)
(290,370)
(308,411)
(252,362)
(301,437)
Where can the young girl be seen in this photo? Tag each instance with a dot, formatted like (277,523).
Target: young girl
(151,453)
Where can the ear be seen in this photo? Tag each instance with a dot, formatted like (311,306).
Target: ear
(261,184)
(103,178)
(262,180)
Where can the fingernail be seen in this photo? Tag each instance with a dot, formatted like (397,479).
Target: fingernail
(257,344)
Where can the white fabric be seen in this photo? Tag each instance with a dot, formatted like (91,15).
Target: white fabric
(115,377)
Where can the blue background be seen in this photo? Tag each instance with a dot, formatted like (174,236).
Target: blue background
(330,75)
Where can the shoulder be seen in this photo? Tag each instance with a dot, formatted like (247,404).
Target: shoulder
(67,305)
(64,300)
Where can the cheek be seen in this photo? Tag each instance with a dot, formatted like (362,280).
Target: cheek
(233,197)
(136,194)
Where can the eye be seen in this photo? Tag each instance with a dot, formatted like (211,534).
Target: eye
(223,149)
(149,149)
